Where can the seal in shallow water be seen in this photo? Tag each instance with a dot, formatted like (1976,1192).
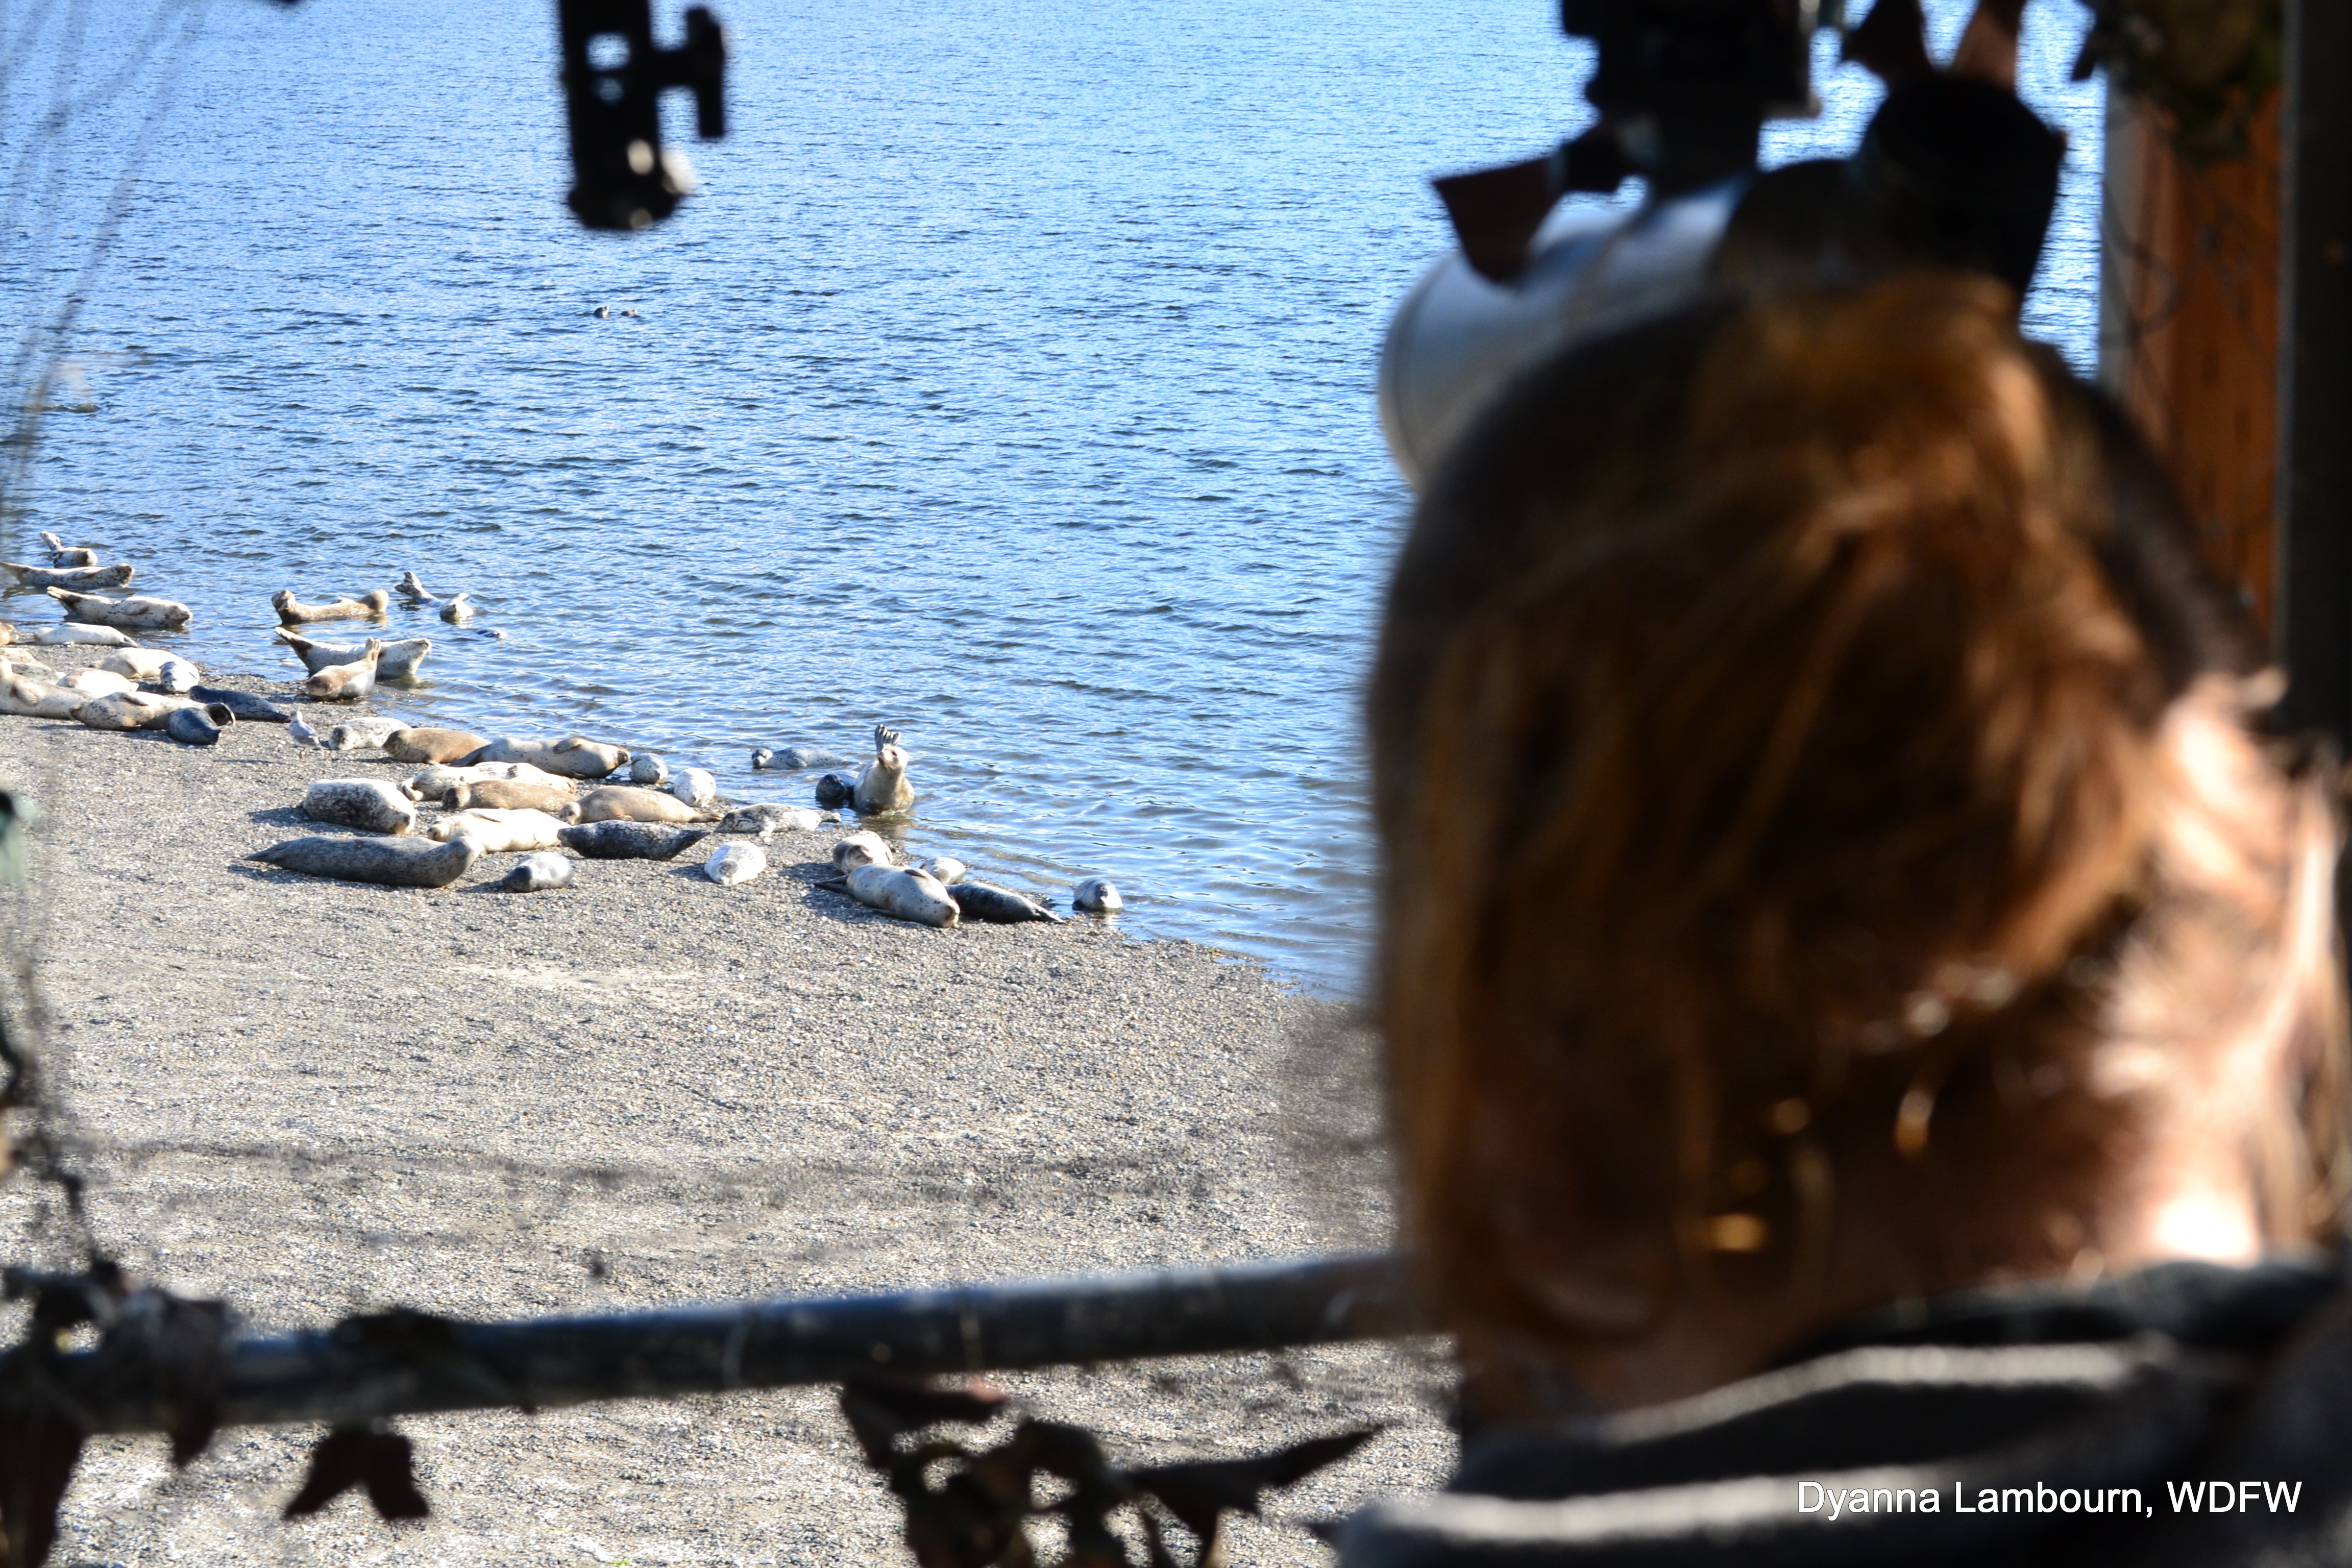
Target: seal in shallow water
(370,804)
(398,665)
(390,862)
(1096,896)
(64,554)
(883,786)
(81,577)
(734,864)
(536,873)
(413,589)
(630,840)
(73,633)
(372,607)
(457,612)
(833,791)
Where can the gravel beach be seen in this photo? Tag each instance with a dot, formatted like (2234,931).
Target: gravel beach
(311,1098)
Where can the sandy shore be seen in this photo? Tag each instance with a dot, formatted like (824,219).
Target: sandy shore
(311,1098)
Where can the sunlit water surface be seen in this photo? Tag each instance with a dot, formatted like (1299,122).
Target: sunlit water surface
(1011,382)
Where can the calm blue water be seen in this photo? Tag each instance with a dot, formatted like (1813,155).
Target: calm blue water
(1010,382)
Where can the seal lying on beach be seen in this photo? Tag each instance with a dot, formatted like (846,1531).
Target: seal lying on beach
(649,771)
(243,704)
(140,710)
(72,633)
(98,682)
(1096,896)
(735,864)
(436,783)
(768,820)
(64,554)
(138,613)
(947,870)
(413,589)
(38,700)
(347,682)
(398,665)
(573,756)
(855,849)
(424,744)
(84,577)
(457,612)
(138,663)
(501,831)
(630,840)
(372,607)
(198,726)
(796,759)
(914,896)
(696,787)
(370,804)
(883,786)
(361,735)
(833,791)
(997,906)
(536,873)
(177,678)
(557,797)
(392,862)
(627,803)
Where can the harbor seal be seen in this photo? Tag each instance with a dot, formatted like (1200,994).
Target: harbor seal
(914,896)
(132,710)
(138,612)
(98,682)
(373,605)
(370,804)
(176,679)
(413,589)
(424,744)
(883,786)
(196,726)
(627,803)
(766,820)
(361,735)
(854,850)
(1096,896)
(947,870)
(997,906)
(248,708)
(695,787)
(649,771)
(502,831)
(138,663)
(573,756)
(399,663)
(457,612)
(390,862)
(557,797)
(64,554)
(81,577)
(735,864)
(436,781)
(38,700)
(834,791)
(630,840)
(762,759)
(347,682)
(74,633)
(538,873)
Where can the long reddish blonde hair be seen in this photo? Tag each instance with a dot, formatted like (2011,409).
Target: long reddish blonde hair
(1811,766)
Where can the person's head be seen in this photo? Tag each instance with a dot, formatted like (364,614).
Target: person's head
(1827,859)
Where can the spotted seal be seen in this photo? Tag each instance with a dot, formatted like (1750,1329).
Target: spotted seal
(80,577)
(630,840)
(1096,896)
(74,633)
(413,589)
(370,804)
(64,554)
(458,611)
(373,605)
(248,708)
(138,613)
(914,896)
(573,756)
(426,745)
(347,682)
(735,864)
(696,787)
(557,797)
(854,850)
(883,786)
(538,873)
(947,870)
(361,735)
(392,862)
(766,820)
(649,771)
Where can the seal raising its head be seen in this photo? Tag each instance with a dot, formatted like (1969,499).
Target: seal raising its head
(883,786)
(1096,896)
(457,612)
(138,613)
(291,611)
(347,682)
(413,589)
(398,665)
